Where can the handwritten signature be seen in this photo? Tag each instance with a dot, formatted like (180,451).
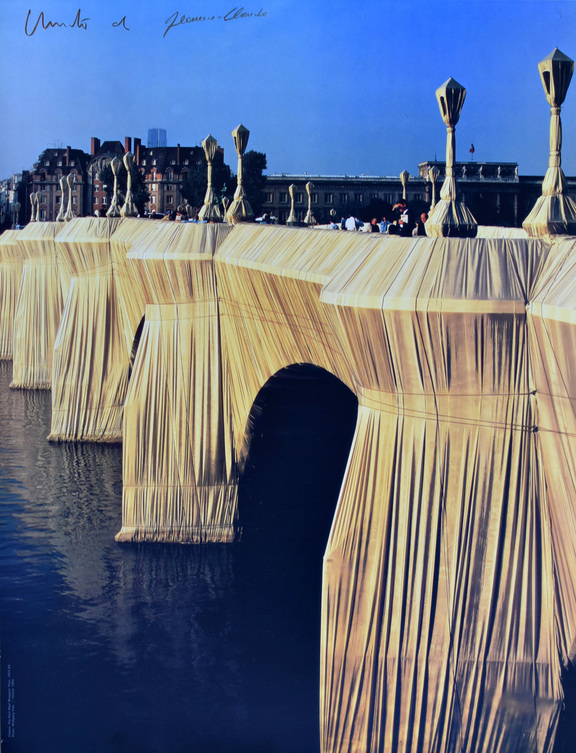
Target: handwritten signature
(41,22)
(78,23)
(179,19)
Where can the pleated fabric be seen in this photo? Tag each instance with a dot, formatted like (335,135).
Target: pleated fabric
(552,330)
(43,290)
(493,231)
(93,348)
(180,480)
(448,587)
(11,264)
(449,596)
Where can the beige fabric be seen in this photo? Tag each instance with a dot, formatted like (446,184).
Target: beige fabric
(179,471)
(43,290)
(11,264)
(94,342)
(449,604)
(492,231)
(449,574)
(269,283)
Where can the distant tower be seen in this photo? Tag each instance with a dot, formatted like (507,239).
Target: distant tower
(156,137)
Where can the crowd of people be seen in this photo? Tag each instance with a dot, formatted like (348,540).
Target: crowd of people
(401,222)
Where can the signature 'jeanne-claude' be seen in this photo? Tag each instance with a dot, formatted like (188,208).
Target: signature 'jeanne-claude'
(179,19)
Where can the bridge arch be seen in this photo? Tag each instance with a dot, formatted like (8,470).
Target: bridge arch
(298,438)
(301,428)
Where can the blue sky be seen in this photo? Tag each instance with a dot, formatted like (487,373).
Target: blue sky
(324,86)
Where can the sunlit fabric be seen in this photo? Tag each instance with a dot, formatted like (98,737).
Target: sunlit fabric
(449,604)
(494,231)
(43,290)
(178,466)
(92,353)
(11,263)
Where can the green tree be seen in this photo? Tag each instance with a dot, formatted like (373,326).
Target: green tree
(140,194)
(194,186)
(253,179)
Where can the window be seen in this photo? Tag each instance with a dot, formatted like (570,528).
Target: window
(374,196)
(73,200)
(343,198)
(186,161)
(283,197)
(299,198)
(359,198)
(43,214)
(170,187)
(153,198)
(43,199)
(328,198)
(72,163)
(59,163)
(95,200)
(143,161)
(173,162)
(314,198)
(47,163)
(169,200)
(104,200)
(154,162)
(268,197)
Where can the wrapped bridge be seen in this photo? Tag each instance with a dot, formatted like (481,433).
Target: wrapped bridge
(449,591)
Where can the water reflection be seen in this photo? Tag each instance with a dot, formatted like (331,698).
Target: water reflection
(154,647)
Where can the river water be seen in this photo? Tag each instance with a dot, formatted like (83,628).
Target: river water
(140,648)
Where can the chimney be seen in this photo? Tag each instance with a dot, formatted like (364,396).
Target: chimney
(137,145)
(127,144)
(67,156)
(94,145)
(177,154)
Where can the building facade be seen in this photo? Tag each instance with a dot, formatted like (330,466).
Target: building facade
(495,192)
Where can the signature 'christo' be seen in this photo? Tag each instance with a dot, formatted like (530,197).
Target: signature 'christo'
(29,30)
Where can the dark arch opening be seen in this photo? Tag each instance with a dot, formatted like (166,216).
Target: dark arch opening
(303,422)
(135,344)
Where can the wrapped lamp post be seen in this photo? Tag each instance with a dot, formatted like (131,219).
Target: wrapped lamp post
(33,206)
(70,213)
(451,217)
(554,212)
(210,211)
(114,210)
(129,208)
(63,199)
(240,209)
(404,178)
(292,216)
(309,219)
(433,174)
